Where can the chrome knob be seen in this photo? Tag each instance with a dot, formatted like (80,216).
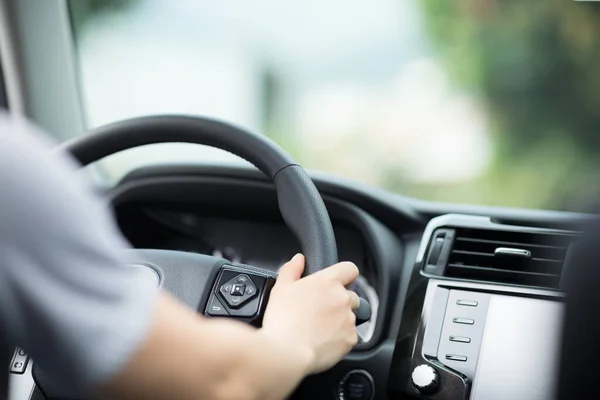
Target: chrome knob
(425,379)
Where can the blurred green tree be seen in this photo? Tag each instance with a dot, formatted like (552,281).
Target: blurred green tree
(536,63)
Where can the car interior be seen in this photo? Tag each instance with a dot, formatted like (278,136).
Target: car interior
(462,295)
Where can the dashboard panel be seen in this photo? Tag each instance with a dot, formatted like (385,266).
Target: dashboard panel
(233,211)
(380,231)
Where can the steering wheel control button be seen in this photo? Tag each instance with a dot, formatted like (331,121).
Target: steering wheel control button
(425,379)
(460,339)
(18,365)
(456,357)
(238,290)
(216,308)
(464,321)
(468,303)
(242,293)
(356,385)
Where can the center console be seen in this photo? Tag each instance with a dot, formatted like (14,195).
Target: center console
(485,315)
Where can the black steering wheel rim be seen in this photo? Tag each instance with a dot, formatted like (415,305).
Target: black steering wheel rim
(300,203)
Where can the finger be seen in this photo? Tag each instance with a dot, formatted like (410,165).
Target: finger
(354,300)
(292,270)
(344,272)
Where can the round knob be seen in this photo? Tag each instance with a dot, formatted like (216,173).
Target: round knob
(425,379)
(356,385)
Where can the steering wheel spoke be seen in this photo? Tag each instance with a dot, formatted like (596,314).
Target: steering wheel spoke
(214,286)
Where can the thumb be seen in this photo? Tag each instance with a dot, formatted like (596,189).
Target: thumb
(292,270)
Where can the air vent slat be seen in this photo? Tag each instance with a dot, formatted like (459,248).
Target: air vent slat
(485,269)
(548,260)
(502,256)
(497,242)
(504,276)
(475,253)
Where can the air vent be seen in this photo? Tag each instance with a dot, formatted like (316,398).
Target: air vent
(521,258)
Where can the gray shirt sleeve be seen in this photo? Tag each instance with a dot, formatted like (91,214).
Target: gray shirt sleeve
(66,296)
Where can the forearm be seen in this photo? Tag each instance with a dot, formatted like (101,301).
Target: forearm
(189,357)
(256,365)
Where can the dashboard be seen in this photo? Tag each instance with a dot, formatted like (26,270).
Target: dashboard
(471,295)
(490,318)
(466,298)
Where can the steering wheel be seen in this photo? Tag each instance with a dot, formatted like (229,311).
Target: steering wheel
(212,285)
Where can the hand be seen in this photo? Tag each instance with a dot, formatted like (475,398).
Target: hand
(314,314)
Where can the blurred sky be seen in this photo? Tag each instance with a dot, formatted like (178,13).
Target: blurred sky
(357,83)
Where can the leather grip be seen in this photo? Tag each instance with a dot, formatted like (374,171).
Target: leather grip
(304,212)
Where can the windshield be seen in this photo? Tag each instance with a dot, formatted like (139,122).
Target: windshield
(476,101)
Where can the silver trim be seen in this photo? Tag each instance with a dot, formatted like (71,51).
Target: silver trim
(475,331)
(460,339)
(463,321)
(467,303)
(367,330)
(510,251)
(456,357)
